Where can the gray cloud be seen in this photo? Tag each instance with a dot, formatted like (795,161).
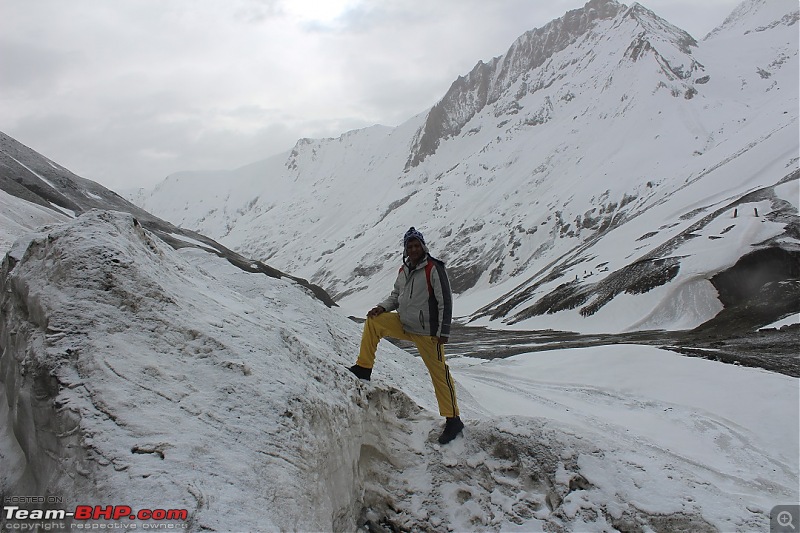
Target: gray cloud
(257,11)
(30,70)
(126,92)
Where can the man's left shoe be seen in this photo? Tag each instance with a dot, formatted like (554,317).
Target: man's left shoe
(452,428)
(361,372)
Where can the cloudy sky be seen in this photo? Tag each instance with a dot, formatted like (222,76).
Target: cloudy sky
(125,92)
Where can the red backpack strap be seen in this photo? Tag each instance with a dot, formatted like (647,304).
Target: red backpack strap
(428,269)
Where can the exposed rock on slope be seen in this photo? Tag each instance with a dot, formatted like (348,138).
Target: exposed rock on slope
(488,82)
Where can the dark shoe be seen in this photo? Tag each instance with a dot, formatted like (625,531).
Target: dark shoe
(361,372)
(452,428)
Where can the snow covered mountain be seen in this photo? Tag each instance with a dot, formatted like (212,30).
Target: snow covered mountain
(35,191)
(608,173)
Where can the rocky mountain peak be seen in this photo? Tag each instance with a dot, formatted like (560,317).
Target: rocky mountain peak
(488,82)
(656,25)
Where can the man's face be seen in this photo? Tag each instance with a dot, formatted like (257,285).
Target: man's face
(415,251)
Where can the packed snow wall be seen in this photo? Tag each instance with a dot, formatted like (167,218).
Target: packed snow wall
(40,441)
(129,373)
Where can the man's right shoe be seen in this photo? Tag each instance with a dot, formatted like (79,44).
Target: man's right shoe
(361,372)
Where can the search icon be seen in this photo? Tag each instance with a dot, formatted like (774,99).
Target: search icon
(784,518)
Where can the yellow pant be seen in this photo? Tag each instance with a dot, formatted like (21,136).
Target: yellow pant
(388,325)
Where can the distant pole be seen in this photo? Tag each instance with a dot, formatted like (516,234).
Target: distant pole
(735,212)
(755,210)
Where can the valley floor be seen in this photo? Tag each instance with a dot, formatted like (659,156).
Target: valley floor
(771,349)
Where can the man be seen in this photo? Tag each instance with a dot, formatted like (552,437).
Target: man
(424,303)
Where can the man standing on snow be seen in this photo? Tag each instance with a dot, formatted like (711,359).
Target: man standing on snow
(424,303)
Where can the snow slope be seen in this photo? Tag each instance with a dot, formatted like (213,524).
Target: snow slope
(565,182)
(34,190)
(672,435)
(141,375)
(19,217)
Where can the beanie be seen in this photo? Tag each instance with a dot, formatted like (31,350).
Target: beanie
(412,233)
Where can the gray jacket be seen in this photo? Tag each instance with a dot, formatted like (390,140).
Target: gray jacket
(424,309)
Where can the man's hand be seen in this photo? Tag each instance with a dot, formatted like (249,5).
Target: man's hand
(375,311)
(442,340)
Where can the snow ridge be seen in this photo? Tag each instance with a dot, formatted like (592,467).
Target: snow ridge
(758,15)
